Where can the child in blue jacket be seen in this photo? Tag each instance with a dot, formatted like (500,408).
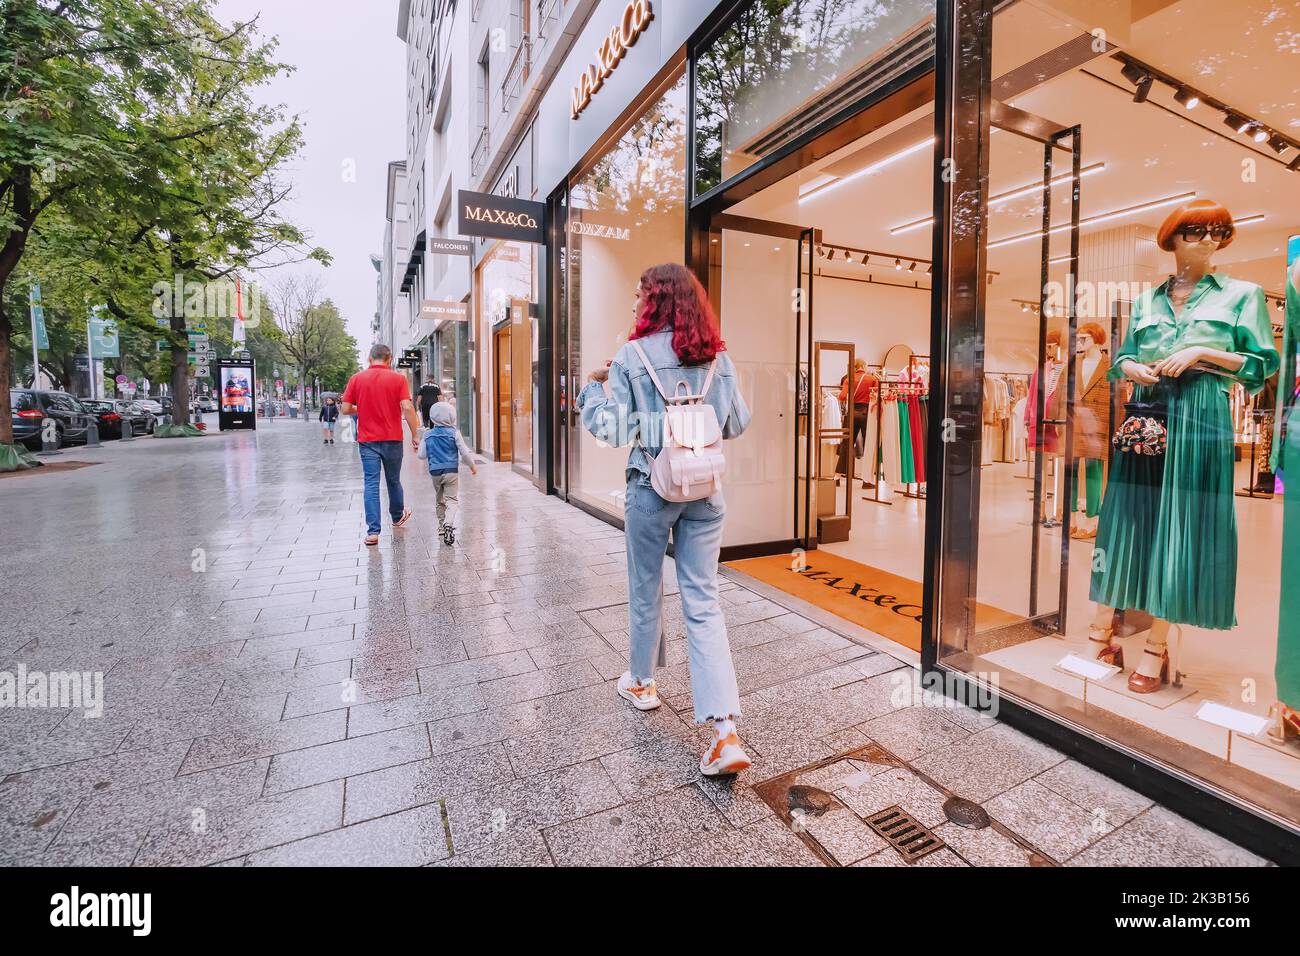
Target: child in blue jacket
(444,449)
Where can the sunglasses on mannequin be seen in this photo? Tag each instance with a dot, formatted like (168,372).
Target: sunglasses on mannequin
(1195,232)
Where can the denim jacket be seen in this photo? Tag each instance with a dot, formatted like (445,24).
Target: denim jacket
(632,410)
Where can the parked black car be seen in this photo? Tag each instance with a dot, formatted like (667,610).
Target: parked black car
(115,414)
(29,407)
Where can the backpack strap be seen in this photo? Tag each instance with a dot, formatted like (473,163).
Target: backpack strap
(659,386)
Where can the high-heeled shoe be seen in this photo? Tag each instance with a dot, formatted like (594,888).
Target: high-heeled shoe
(1108,652)
(1141,684)
(1286,722)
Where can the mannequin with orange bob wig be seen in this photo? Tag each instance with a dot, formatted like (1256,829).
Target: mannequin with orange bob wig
(1198,212)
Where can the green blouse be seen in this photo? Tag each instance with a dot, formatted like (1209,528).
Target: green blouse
(1221,313)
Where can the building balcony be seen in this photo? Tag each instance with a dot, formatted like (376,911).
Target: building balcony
(479,154)
(548,17)
(516,74)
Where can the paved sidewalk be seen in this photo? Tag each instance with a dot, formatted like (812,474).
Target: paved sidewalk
(277,693)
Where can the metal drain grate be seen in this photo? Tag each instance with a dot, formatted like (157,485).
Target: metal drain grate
(904,833)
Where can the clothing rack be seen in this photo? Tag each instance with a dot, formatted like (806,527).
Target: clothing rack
(890,388)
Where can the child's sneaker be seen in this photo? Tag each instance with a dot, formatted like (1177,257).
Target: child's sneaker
(724,757)
(641,696)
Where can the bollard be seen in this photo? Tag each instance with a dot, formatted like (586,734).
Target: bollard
(128,430)
(49,438)
(92,433)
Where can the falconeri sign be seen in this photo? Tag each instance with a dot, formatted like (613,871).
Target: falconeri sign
(636,17)
(500,217)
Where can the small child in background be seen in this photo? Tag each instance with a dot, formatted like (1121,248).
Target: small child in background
(444,449)
(329,416)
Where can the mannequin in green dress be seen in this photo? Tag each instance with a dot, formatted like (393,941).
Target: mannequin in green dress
(1286,455)
(1167,536)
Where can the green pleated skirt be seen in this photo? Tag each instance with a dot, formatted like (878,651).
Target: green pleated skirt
(1288,625)
(1167,538)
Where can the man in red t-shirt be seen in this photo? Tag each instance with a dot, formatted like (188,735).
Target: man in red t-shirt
(381,398)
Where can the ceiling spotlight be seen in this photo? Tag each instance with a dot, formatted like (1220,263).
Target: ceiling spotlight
(1258,133)
(1278,144)
(830,255)
(1024,307)
(898,263)
(866,259)
(1281,306)
(1187,98)
(929,269)
(1236,122)
(1294,165)
(1141,79)
(912,267)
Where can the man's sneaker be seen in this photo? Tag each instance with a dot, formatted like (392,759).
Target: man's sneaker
(724,757)
(639,695)
(406,516)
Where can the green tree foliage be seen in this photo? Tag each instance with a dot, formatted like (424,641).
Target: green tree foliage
(133,154)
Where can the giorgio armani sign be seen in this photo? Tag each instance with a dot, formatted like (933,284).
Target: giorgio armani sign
(500,217)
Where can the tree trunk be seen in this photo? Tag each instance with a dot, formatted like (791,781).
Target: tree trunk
(180,378)
(6,416)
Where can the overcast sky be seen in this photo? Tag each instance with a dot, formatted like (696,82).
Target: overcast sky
(348,90)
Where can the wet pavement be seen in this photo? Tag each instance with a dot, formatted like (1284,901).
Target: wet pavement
(277,693)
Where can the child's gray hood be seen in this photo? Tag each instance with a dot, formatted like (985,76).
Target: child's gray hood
(442,413)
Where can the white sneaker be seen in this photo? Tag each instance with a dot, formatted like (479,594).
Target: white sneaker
(641,696)
(724,757)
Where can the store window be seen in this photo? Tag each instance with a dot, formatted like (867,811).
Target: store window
(506,287)
(1135,366)
(784,66)
(627,212)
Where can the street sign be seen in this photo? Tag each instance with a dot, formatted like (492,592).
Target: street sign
(202,371)
(121,379)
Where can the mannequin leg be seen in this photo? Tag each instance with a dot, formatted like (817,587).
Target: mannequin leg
(1101,637)
(1152,671)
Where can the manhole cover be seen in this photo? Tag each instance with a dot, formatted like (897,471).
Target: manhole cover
(904,833)
(809,800)
(966,813)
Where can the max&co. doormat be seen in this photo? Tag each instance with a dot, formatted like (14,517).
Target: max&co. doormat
(877,600)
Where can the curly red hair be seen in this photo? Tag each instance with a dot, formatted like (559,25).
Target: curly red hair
(672,298)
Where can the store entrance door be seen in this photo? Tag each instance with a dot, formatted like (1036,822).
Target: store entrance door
(759,282)
(522,338)
(501,350)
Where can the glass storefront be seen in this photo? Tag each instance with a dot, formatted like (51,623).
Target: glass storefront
(626,212)
(1002,273)
(1140,181)
(780,68)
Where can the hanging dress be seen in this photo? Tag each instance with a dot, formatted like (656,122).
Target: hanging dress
(1286,460)
(1167,538)
(907,474)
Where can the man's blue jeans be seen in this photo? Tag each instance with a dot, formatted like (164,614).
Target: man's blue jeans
(387,454)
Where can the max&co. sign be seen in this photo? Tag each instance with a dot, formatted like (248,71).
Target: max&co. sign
(500,217)
(636,17)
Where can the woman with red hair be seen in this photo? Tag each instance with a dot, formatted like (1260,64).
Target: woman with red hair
(676,332)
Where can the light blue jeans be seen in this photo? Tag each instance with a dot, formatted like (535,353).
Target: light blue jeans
(696,528)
